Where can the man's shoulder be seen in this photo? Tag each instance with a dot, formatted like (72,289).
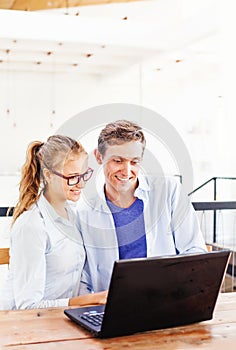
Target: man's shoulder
(160,181)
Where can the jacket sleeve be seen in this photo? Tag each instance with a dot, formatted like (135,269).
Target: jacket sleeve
(185,225)
(85,282)
(28,266)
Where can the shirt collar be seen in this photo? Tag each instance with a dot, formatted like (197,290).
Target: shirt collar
(143,188)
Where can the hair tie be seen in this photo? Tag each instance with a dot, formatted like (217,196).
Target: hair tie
(38,147)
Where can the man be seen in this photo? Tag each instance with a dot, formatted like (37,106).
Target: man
(132,215)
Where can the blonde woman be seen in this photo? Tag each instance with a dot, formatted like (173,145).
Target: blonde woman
(46,249)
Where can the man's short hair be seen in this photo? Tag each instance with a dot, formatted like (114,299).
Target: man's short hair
(119,132)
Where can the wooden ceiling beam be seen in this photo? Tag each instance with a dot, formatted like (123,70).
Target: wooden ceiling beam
(34,5)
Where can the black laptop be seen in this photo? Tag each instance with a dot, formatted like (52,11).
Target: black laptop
(155,293)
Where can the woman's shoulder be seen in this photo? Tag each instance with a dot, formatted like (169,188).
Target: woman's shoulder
(29,218)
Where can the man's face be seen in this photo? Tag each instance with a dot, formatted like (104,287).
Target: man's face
(121,165)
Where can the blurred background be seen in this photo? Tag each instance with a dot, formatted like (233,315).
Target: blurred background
(176,57)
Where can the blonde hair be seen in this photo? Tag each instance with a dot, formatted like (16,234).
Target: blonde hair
(39,156)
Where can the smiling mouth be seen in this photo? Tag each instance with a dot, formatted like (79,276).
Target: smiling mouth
(123,179)
(76,192)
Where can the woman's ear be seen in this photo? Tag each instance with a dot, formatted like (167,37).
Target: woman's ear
(47,175)
(98,156)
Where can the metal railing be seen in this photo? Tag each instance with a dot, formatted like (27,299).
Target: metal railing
(214,205)
(6,211)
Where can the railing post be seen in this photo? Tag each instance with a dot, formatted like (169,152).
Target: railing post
(214,213)
(215,195)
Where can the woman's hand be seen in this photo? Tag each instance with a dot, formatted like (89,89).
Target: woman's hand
(99,298)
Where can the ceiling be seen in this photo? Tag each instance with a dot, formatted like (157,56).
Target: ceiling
(35,5)
(108,38)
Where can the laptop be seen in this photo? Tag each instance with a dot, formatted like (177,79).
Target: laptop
(155,293)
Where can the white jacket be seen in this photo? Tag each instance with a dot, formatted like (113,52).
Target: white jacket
(47,258)
(171,227)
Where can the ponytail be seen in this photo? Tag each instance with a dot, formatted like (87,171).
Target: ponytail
(30,180)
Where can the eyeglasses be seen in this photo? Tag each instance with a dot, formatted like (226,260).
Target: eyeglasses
(74,180)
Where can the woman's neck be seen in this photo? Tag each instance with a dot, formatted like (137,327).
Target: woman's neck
(58,205)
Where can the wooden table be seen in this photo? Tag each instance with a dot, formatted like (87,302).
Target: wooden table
(50,329)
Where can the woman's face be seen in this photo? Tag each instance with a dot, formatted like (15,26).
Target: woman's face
(77,164)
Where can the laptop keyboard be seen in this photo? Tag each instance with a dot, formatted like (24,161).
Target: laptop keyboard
(93,317)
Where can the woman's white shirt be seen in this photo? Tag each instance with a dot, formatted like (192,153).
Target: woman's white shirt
(47,258)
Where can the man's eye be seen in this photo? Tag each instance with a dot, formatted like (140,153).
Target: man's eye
(117,160)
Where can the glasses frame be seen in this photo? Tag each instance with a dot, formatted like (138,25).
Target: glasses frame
(79,177)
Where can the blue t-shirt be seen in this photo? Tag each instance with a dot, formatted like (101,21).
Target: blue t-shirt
(130,230)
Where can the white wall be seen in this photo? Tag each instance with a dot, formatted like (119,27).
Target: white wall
(196,95)
(192,103)
(31,98)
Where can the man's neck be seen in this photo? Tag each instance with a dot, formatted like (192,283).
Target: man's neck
(121,199)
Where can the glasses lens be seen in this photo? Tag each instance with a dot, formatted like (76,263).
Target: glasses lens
(87,175)
(72,181)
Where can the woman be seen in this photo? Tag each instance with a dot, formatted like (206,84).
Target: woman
(47,253)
